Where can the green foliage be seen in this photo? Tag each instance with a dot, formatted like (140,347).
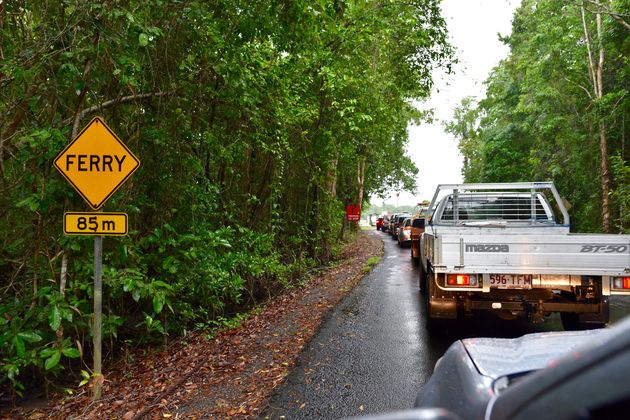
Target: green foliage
(621,191)
(465,127)
(541,119)
(371,262)
(250,120)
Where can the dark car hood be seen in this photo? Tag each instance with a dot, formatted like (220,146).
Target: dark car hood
(496,357)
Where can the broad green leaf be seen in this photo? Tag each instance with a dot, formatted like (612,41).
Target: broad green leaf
(19,346)
(66,313)
(162,284)
(30,337)
(128,284)
(71,352)
(54,318)
(53,360)
(158,303)
(47,352)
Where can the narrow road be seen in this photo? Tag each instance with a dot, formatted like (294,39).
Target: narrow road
(372,354)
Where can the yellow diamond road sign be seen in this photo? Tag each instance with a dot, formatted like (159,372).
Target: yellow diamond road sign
(96,163)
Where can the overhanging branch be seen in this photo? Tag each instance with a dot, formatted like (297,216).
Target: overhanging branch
(116,101)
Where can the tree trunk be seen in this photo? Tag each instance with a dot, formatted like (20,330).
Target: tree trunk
(62,290)
(331,177)
(361,178)
(605,173)
(360,182)
(596,77)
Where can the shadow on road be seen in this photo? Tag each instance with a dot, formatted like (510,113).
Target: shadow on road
(480,325)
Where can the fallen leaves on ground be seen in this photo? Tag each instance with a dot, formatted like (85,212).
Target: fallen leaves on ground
(230,375)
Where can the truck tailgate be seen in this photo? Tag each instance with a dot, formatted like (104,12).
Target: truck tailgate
(519,253)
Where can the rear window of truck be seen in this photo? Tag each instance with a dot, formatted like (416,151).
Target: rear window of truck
(488,206)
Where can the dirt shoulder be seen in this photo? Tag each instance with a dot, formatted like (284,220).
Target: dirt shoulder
(232,374)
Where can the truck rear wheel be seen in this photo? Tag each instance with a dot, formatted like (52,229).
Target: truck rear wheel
(573,321)
(426,286)
(422,278)
(570,321)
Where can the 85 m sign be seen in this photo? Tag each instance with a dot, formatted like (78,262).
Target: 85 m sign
(89,223)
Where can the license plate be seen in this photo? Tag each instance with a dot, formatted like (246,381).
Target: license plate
(511,281)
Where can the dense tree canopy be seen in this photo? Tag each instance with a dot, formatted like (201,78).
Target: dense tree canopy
(556,109)
(255,123)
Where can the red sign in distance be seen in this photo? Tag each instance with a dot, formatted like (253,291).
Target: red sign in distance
(353,212)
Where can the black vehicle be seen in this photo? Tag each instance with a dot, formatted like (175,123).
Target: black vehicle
(552,375)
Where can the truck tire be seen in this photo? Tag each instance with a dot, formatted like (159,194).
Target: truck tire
(572,321)
(422,278)
(414,260)
(432,325)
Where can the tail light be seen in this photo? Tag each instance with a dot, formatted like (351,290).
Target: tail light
(461,280)
(621,283)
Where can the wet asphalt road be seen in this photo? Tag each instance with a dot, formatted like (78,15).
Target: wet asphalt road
(373,354)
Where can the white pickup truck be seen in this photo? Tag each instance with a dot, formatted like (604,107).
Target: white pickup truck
(500,248)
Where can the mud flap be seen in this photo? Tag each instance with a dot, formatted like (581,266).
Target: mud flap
(599,319)
(443,309)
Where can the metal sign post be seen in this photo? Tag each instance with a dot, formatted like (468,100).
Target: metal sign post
(98,309)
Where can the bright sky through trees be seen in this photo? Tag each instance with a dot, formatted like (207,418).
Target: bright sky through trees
(473,26)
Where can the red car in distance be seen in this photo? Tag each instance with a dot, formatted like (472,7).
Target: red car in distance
(379,223)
